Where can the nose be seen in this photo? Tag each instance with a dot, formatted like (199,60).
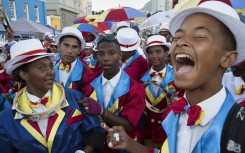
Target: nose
(183,41)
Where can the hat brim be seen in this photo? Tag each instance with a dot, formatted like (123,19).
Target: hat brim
(236,26)
(124,49)
(10,65)
(165,44)
(57,39)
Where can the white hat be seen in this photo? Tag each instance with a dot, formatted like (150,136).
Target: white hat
(156,40)
(48,34)
(224,13)
(164,27)
(89,45)
(128,39)
(71,31)
(25,51)
(121,24)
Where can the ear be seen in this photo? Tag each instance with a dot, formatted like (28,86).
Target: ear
(228,59)
(120,55)
(23,75)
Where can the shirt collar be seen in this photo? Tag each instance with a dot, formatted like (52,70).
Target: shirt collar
(238,81)
(162,71)
(212,105)
(36,99)
(113,80)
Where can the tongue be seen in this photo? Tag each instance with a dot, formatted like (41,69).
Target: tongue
(185,69)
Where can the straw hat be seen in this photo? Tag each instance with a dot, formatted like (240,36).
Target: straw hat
(71,31)
(25,51)
(156,40)
(224,13)
(128,39)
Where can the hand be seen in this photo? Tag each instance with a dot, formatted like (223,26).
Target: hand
(117,138)
(91,106)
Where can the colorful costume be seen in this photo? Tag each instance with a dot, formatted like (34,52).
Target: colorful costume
(136,66)
(209,141)
(79,78)
(68,129)
(127,100)
(90,61)
(153,131)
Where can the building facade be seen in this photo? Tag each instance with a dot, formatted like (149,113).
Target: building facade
(34,10)
(67,10)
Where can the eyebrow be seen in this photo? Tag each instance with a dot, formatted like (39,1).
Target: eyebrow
(197,28)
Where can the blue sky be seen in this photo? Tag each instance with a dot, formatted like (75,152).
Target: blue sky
(107,4)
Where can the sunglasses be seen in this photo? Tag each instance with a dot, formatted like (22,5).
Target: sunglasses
(109,37)
(53,46)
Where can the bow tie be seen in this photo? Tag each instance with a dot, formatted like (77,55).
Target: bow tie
(66,67)
(194,112)
(45,101)
(160,74)
(240,89)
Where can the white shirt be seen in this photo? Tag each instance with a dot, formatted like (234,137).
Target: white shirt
(232,83)
(42,123)
(109,87)
(157,78)
(188,136)
(64,75)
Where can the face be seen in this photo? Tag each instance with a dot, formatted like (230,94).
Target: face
(108,56)
(69,49)
(53,48)
(157,56)
(166,34)
(40,76)
(196,53)
(88,51)
(238,70)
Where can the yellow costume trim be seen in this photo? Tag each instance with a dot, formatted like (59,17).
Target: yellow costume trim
(154,101)
(165,147)
(198,121)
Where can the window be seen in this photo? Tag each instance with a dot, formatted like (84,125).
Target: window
(63,17)
(26,11)
(37,14)
(12,9)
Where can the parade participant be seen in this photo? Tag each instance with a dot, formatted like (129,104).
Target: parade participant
(157,51)
(117,98)
(89,59)
(54,48)
(235,82)
(48,38)
(207,40)
(70,71)
(44,117)
(133,63)
(121,25)
(164,31)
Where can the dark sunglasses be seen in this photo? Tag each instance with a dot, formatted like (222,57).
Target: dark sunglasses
(109,37)
(51,46)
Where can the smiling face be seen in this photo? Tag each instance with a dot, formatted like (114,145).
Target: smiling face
(197,54)
(157,56)
(39,77)
(108,56)
(70,49)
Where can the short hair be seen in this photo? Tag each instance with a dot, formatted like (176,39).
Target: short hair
(229,41)
(70,36)
(16,74)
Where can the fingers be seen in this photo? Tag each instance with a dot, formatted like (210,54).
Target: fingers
(114,137)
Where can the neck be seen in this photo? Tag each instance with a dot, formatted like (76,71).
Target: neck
(39,94)
(109,75)
(159,67)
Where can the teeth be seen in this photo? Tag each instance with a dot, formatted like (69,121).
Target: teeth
(183,56)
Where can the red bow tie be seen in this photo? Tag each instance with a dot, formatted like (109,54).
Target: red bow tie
(44,101)
(153,74)
(194,112)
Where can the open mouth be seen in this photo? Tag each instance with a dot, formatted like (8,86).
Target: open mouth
(184,63)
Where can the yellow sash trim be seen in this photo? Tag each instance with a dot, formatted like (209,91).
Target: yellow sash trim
(114,107)
(93,95)
(76,113)
(154,101)
(55,127)
(165,147)
(39,137)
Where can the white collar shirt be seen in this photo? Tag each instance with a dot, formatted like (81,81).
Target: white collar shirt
(188,136)
(109,87)
(64,75)
(42,123)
